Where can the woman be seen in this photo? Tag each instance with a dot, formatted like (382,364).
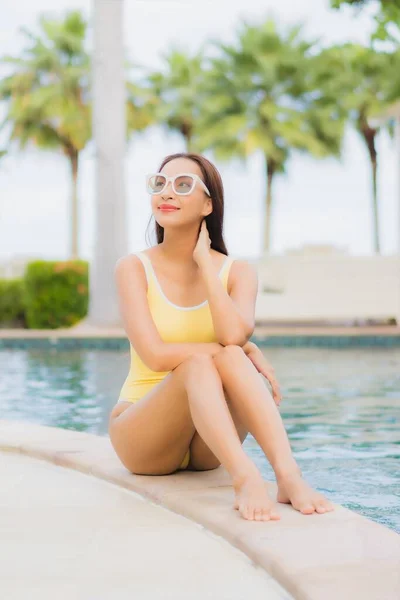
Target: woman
(194,391)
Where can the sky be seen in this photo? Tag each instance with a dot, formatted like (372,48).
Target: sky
(315,202)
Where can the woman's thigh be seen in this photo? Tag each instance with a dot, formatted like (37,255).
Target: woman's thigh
(151,436)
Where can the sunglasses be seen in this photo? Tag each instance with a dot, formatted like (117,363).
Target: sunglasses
(182,184)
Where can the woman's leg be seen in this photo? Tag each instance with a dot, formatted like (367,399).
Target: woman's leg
(260,415)
(152,436)
(220,438)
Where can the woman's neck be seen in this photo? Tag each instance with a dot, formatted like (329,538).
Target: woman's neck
(178,247)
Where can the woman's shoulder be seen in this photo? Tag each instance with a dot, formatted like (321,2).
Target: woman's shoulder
(128,264)
(242,272)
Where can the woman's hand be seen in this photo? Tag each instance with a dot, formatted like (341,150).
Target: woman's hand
(263,366)
(202,249)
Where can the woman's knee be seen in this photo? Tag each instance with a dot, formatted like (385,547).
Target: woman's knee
(204,362)
(196,363)
(232,351)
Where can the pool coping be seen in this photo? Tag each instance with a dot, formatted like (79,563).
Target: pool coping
(340,554)
(84,336)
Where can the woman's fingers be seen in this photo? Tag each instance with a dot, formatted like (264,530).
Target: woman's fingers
(276,391)
(264,367)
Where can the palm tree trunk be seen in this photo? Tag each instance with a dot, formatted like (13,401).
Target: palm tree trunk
(186,131)
(270,168)
(74,240)
(374,166)
(369,135)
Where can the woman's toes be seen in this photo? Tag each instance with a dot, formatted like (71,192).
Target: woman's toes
(307,509)
(320,507)
(258,514)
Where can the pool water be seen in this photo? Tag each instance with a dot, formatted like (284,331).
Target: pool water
(341,410)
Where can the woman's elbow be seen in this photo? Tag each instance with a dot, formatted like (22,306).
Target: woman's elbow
(236,340)
(152,359)
(154,363)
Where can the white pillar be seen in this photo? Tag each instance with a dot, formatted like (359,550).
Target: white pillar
(109,135)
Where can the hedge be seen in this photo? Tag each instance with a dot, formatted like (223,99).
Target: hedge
(56,293)
(12,304)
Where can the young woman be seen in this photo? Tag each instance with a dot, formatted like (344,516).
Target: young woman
(194,391)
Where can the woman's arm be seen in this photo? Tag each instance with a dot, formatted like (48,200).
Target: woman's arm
(171,354)
(233,314)
(139,325)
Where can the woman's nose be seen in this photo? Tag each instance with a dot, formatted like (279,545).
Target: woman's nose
(167,190)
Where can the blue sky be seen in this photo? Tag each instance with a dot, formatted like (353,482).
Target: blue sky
(316,202)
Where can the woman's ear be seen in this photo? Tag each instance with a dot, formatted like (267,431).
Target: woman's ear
(209,208)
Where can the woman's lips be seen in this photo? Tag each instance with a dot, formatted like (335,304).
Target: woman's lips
(167,209)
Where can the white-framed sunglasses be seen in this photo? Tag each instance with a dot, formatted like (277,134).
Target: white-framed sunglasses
(183,184)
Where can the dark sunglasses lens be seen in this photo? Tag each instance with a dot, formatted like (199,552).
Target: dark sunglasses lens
(156,183)
(184,184)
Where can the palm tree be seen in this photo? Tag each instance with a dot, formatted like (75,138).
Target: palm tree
(141,103)
(47,95)
(176,88)
(364,81)
(260,94)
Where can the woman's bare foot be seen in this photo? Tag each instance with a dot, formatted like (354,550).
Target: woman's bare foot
(292,489)
(252,500)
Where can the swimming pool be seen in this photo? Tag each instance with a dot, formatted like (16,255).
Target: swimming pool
(341,409)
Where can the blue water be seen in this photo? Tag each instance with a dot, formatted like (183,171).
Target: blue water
(341,409)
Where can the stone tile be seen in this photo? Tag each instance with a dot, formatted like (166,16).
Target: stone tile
(295,541)
(361,543)
(378,581)
(97,538)
(156,487)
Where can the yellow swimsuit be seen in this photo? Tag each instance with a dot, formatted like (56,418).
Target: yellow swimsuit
(179,324)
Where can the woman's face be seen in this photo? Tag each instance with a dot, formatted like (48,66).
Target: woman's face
(192,208)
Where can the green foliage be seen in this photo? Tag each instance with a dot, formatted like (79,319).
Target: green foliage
(48,97)
(56,293)
(364,82)
(47,90)
(176,91)
(268,92)
(262,94)
(362,79)
(387,16)
(12,305)
(386,6)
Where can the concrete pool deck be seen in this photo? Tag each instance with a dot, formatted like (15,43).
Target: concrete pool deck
(340,554)
(68,535)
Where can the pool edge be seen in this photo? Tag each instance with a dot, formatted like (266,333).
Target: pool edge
(365,564)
